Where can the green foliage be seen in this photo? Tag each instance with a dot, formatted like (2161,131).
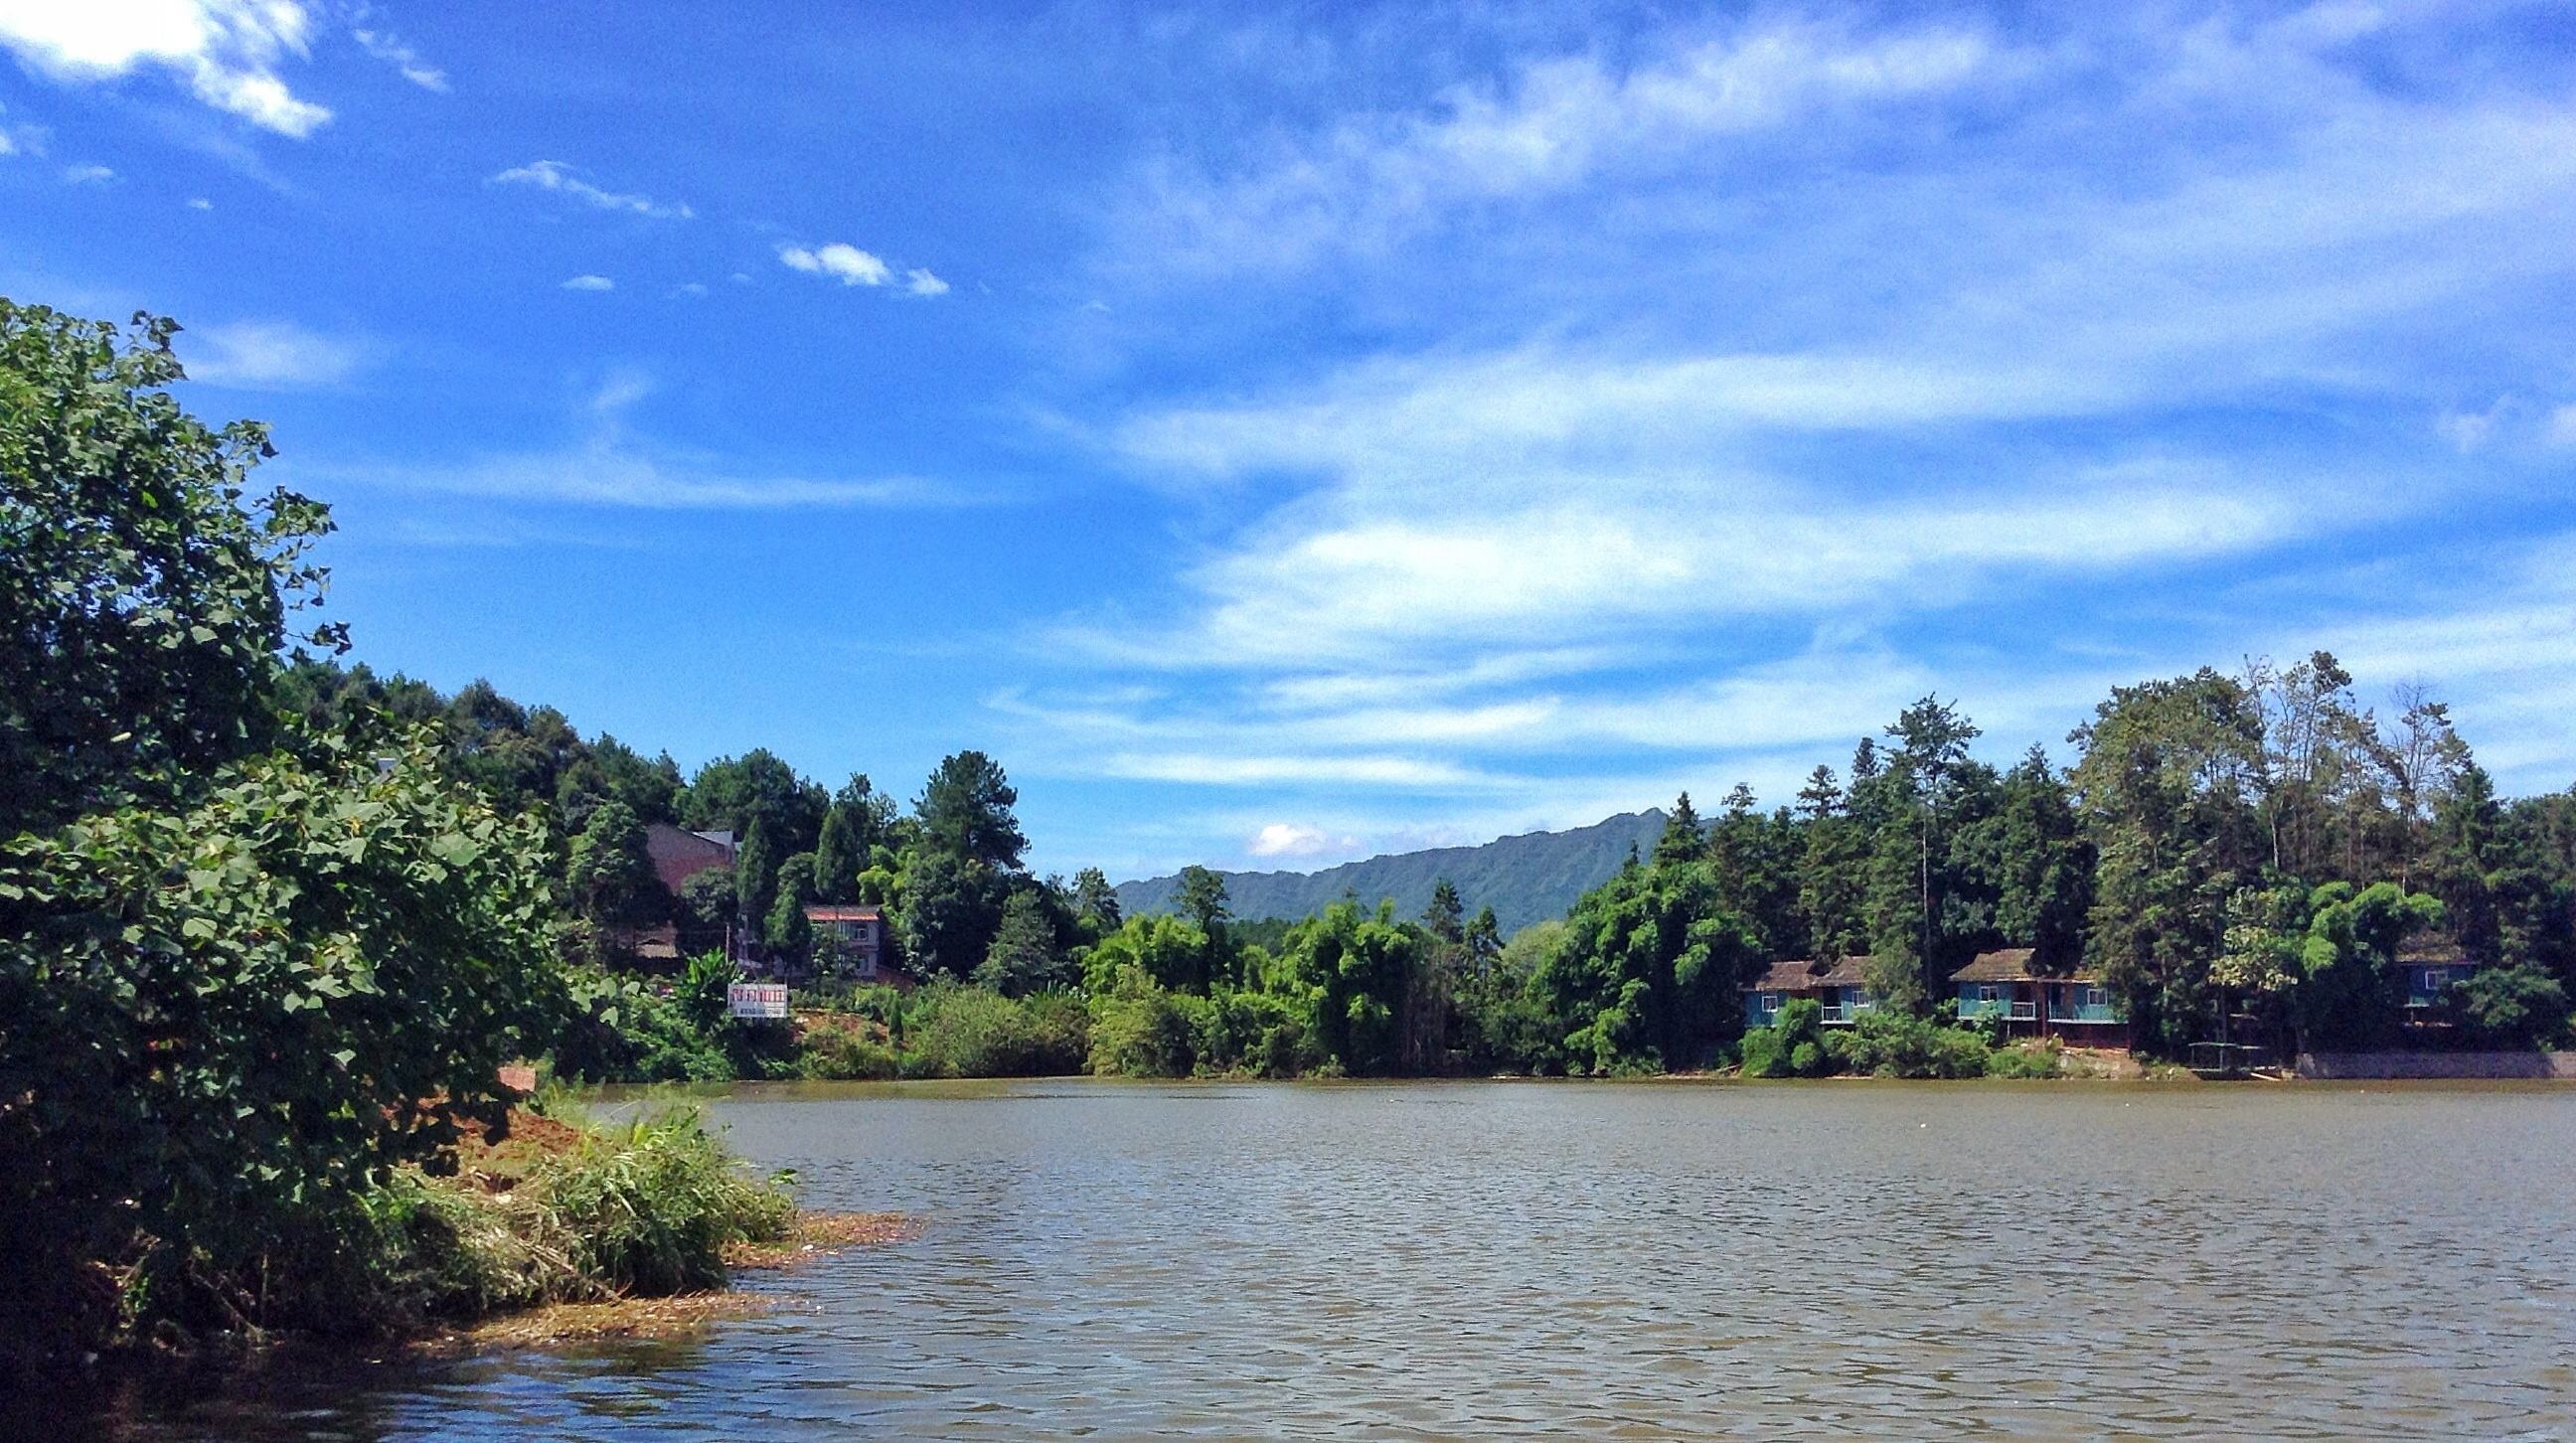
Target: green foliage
(227,1022)
(2349,992)
(2165,790)
(1024,957)
(142,604)
(1169,950)
(1141,1029)
(1792,1045)
(2511,1006)
(610,874)
(958,1031)
(1896,1044)
(1648,970)
(650,1208)
(965,812)
(2034,1061)
(1361,981)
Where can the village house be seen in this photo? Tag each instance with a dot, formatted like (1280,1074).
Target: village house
(857,933)
(1836,983)
(2432,965)
(2072,1006)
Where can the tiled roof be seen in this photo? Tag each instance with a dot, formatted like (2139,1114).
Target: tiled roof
(1798,974)
(844,914)
(2014,964)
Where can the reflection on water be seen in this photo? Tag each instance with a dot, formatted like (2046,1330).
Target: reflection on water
(1613,1261)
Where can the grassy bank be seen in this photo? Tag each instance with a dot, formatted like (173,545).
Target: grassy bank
(554,1226)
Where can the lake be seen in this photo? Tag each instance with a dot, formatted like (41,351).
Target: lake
(1649,1260)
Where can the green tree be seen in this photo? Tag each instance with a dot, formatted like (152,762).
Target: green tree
(2165,789)
(1684,837)
(142,604)
(1095,902)
(611,875)
(1446,917)
(225,1022)
(1202,899)
(756,792)
(859,820)
(2350,991)
(789,935)
(755,873)
(965,811)
(1024,957)
(1647,972)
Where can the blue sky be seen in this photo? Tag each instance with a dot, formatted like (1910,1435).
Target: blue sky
(1285,435)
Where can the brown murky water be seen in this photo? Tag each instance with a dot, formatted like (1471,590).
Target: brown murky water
(1602,1261)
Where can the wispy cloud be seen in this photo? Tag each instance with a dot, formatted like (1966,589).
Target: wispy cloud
(590,283)
(384,45)
(88,174)
(268,355)
(1553,124)
(562,179)
(608,464)
(228,51)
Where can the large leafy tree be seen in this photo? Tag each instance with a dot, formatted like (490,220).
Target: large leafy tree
(143,594)
(1647,971)
(2166,790)
(610,874)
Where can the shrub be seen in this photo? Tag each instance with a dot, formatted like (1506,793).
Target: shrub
(1764,1054)
(2511,1006)
(650,1208)
(846,1054)
(1792,1046)
(959,1031)
(1896,1044)
(1248,1032)
(2041,1059)
(1138,1029)
(225,1024)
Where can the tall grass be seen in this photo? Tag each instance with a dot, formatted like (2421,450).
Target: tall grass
(650,1208)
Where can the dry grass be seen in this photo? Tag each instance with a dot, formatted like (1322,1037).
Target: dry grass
(821,1235)
(562,1324)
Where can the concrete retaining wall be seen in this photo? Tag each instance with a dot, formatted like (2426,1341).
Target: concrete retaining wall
(2391,1065)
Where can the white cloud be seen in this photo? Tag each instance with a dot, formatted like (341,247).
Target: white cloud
(228,50)
(2562,426)
(554,175)
(849,264)
(610,467)
(590,283)
(267,355)
(200,203)
(1289,839)
(1556,123)
(689,288)
(88,174)
(923,283)
(390,49)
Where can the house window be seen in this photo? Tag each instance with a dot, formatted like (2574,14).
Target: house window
(2096,997)
(1770,1002)
(2436,978)
(1985,994)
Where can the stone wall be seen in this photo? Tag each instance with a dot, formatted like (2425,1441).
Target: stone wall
(2391,1065)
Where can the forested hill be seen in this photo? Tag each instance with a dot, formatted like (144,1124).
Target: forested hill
(1524,878)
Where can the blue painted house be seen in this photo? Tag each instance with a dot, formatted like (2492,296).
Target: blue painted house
(1837,983)
(2432,966)
(2071,1005)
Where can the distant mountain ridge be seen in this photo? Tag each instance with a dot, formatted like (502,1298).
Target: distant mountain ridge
(1524,878)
